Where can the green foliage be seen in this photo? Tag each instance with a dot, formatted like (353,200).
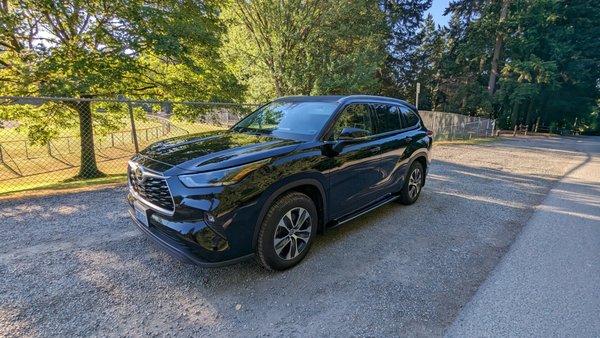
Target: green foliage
(103,48)
(549,66)
(98,48)
(254,50)
(304,47)
(404,19)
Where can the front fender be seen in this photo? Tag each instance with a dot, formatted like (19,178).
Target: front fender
(315,179)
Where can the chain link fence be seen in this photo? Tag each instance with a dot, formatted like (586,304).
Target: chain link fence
(46,141)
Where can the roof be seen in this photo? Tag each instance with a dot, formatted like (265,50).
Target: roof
(308,98)
(341,99)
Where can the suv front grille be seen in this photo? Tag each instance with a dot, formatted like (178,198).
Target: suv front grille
(151,188)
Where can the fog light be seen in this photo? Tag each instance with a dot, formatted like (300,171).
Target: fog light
(209,240)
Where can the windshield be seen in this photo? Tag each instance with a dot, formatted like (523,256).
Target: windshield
(301,120)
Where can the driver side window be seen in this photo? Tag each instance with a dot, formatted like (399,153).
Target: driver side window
(353,116)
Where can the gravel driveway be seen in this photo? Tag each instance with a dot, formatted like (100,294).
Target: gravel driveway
(73,264)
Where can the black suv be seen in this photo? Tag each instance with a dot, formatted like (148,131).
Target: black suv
(264,188)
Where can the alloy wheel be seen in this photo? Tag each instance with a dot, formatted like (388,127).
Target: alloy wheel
(292,233)
(414,183)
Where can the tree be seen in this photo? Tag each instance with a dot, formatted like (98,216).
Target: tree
(304,47)
(94,48)
(553,64)
(497,48)
(403,18)
(428,56)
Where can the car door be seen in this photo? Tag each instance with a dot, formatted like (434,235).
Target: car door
(355,170)
(409,138)
(393,141)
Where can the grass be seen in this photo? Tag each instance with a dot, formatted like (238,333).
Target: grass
(67,184)
(52,166)
(41,170)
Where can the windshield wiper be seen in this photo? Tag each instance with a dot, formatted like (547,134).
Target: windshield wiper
(253,131)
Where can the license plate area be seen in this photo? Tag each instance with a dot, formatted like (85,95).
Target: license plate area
(141,213)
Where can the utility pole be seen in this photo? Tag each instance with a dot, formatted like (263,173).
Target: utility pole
(417,98)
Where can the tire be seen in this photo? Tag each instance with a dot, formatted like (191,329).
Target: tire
(414,180)
(284,214)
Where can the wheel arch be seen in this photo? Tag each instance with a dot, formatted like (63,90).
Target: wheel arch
(422,158)
(311,187)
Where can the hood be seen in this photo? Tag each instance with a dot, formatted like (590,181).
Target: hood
(217,150)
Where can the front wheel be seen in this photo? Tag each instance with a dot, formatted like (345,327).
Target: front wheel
(412,185)
(287,231)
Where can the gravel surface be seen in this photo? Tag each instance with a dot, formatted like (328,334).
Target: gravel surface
(73,264)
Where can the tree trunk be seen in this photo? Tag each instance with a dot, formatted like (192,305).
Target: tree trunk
(515,113)
(528,118)
(88,168)
(497,49)
(277,82)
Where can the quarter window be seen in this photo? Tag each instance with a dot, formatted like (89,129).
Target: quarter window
(388,118)
(354,116)
(410,116)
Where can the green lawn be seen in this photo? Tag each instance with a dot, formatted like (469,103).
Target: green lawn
(62,185)
(32,167)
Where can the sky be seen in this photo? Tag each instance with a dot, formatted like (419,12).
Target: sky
(437,10)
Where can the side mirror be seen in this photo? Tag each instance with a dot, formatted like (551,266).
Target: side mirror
(350,133)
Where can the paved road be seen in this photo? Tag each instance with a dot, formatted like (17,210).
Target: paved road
(74,265)
(548,284)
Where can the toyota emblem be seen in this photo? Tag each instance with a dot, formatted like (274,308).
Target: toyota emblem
(139,174)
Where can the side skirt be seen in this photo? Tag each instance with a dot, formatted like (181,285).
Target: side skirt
(336,223)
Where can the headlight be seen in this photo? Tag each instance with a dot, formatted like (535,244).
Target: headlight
(221,177)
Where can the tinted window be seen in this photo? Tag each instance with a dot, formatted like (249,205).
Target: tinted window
(288,118)
(354,116)
(388,118)
(410,116)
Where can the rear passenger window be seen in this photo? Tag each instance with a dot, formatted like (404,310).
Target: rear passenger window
(354,116)
(388,118)
(410,117)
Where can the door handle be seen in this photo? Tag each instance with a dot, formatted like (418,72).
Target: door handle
(408,139)
(375,149)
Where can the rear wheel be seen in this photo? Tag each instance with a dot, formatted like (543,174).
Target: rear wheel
(412,185)
(287,231)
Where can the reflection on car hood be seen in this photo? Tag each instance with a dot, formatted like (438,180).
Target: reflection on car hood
(216,150)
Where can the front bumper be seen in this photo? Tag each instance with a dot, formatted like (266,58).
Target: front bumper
(175,238)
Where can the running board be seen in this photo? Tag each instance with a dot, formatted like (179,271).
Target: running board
(385,201)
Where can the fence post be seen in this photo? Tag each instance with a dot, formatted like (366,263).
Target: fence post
(526,129)
(1,158)
(49,148)
(133,130)
(515,131)
(169,112)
